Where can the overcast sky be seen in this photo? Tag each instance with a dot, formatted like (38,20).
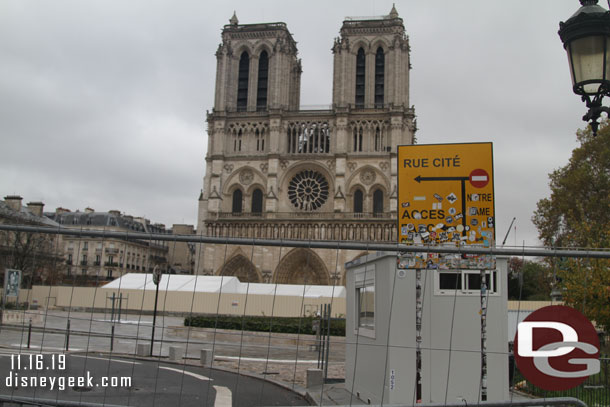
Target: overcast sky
(102,103)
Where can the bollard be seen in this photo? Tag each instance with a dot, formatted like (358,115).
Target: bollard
(314,378)
(176,353)
(29,333)
(206,357)
(68,336)
(142,349)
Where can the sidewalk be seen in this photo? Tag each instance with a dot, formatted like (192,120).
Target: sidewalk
(333,394)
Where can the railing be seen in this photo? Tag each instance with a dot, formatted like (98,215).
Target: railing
(315,107)
(325,226)
(595,391)
(303,215)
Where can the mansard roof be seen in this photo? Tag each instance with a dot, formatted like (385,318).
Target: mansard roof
(24,215)
(103,219)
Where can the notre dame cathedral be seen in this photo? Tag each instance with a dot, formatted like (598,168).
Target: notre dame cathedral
(274,171)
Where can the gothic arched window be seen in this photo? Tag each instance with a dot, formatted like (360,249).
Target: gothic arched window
(360,71)
(358,132)
(379,78)
(358,199)
(237,139)
(377,202)
(237,201)
(257,201)
(242,81)
(263,76)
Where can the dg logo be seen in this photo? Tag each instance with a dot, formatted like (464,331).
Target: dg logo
(556,348)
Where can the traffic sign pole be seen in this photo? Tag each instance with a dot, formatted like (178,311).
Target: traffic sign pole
(156,279)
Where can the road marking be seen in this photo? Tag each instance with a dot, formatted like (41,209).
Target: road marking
(109,359)
(264,360)
(24,347)
(186,372)
(125,321)
(224,397)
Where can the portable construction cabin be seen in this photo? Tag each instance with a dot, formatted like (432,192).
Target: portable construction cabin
(380,361)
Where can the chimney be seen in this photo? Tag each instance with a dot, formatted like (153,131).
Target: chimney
(115,212)
(89,210)
(13,202)
(36,208)
(61,210)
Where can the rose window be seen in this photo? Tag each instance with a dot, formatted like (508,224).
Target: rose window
(308,190)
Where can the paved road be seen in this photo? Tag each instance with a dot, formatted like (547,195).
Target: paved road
(131,329)
(138,383)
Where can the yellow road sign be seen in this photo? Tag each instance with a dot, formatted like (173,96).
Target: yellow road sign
(446,194)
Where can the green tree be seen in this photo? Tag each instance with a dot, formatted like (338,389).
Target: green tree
(529,280)
(577,214)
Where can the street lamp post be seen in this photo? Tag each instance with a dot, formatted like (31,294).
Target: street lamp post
(586,38)
(156,279)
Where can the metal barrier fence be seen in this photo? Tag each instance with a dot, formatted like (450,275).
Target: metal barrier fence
(116,339)
(558,402)
(595,391)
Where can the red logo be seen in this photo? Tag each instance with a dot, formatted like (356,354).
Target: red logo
(556,348)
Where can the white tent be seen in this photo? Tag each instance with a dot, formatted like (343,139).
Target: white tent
(223,285)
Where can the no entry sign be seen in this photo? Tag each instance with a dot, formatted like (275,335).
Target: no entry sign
(479,178)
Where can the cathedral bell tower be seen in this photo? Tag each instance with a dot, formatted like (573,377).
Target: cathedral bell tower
(257,68)
(371,63)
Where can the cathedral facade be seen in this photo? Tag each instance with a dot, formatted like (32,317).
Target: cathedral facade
(274,171)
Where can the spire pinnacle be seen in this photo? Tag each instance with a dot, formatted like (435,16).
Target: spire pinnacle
(234,20)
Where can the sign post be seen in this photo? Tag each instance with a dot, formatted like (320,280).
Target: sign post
(446,197)
(157,273)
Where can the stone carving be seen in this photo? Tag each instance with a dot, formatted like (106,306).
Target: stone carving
(264,167)
(383,166)
(367,177)
(246,177)
(228,168)
(352,165)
